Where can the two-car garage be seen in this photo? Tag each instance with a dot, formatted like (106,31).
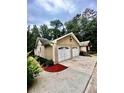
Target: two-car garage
(65,53)
(65,47)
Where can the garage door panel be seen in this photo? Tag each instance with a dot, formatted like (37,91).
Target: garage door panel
(63,53)
(75,51)
(67,53)
(60,54)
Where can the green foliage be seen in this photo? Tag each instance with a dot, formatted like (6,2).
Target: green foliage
(84,27)
(55,31)
(45,62)
(33,69)
(49,63)
(63,32)
(91,34)
(73,25)
(44,31)
(89,13)
(32,35)
(56,24)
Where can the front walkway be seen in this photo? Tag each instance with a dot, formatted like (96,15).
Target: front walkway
(71,80)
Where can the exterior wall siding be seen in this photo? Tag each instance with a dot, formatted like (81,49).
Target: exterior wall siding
(83,49)
(39,51)
(67,42)
(49,52)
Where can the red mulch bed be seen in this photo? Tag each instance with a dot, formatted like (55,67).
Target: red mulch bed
(55,68)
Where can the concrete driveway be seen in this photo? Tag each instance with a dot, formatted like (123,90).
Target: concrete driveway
(71,80)
(81,63)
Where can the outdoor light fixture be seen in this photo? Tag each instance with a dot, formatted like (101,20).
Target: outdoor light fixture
(70,38)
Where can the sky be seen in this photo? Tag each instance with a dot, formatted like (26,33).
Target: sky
(43,11)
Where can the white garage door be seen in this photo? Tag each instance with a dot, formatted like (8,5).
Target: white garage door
(75,51)
(63,53)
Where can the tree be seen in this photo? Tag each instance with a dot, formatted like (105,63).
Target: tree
(55,33)
(28,33)
(56,25)
(28,38)
(44,31)
(90,14)
(90,28)
(63,32)
(34,33)
(84,26)
(91,34)
(74,26)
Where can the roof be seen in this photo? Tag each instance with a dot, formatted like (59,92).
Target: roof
(69,34)
(85,43)
(44,41)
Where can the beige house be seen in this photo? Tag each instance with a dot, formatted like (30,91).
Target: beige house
(60,49)
(85,46)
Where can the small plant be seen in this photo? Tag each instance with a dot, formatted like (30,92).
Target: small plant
(49,63)
(33,69)
(45,62)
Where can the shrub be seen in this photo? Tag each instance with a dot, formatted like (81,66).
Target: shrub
(49,63)
(44,61)
(33,69)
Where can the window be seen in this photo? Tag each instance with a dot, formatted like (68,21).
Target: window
(61,47)
(66,48)
(74,47)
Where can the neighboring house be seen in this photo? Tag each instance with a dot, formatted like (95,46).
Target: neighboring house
(85,46)
(60,49)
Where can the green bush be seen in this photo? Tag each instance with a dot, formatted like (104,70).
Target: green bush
(49,63)
(44,61)
(33,69)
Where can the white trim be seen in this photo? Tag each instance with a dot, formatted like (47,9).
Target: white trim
(71,34)
(54,57)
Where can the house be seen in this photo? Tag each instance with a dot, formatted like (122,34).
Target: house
(60,49)
(85,47)
(40,46)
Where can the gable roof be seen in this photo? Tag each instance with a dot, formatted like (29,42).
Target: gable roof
(85,43)
(44,41)
(69,34)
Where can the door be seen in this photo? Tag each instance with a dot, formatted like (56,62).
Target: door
(63,53)
(75,51)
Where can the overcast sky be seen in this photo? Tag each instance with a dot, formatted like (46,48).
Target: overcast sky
(43,11)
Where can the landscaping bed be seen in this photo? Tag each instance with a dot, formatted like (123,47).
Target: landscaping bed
(55,68)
